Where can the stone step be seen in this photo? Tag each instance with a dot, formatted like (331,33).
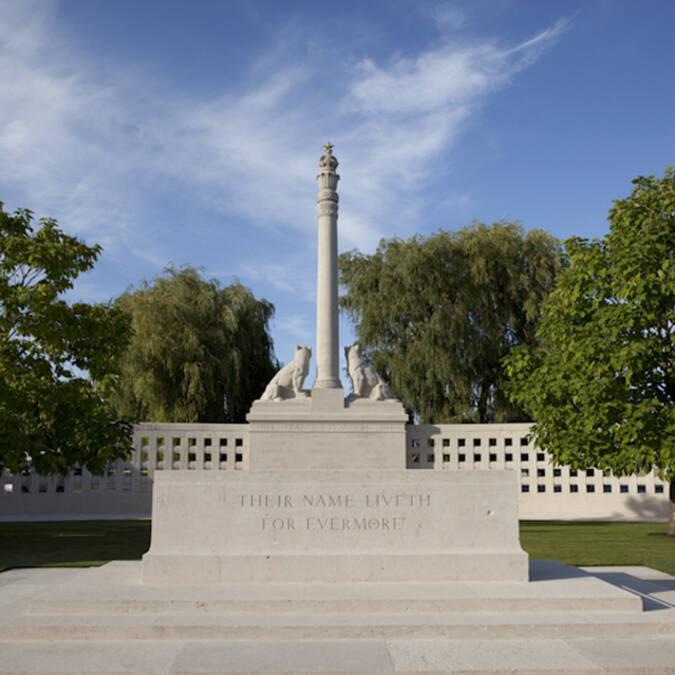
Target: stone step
(587,594)
(117,589)
(334,605)
(605,633)
(654,656)
(278,626)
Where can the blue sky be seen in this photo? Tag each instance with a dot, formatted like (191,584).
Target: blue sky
(189,132)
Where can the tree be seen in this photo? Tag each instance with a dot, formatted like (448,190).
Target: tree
(199,353)
(51,415)
(437,314)
(600,382)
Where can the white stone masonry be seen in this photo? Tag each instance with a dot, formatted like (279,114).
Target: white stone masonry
(327,353)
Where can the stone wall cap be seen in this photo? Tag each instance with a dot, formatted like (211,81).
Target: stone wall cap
(339,477)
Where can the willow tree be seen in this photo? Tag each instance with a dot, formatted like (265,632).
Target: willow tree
(437,314)
(199,352)
(600,383)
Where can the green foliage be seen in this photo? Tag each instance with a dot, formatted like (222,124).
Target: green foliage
(600,384)
(200,353)
(437,314)
(52,417)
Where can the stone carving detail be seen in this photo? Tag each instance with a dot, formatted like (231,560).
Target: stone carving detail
(327,177)
(366,381)
(327,208)
(327,161)
(287,383)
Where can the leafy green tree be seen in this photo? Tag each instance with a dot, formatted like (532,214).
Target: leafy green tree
(51,415)
(437,314)
(200,352)
(600,383)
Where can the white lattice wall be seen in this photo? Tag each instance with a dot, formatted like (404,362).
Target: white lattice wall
(206,447)
(126,489)
(546,491)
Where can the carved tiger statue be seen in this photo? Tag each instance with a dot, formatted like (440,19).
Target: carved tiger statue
(287,383)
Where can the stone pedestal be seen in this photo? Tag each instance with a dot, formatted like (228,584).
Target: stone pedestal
(325,432)
(327,497)
(334,526)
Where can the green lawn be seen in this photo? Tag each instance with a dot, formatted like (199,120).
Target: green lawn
(76,543)
(93,542)
(600,543)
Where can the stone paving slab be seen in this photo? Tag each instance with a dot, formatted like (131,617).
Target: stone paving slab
(285,657)
(637,571)
(88,657)
(526,657)
(630,657)
(485,657)
(570,642)
(657,589)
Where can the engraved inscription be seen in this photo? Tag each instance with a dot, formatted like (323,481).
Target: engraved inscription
(267,501)
(365,524)
(328,500)
(331,510)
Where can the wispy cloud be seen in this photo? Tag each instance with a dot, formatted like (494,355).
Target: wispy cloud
(64,134)
(283,277)
(87,146)
(449,16)
(296,326)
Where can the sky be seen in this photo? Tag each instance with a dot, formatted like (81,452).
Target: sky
(188,132)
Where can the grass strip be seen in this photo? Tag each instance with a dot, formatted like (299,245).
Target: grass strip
(74,543)
(94,542)
(600,543)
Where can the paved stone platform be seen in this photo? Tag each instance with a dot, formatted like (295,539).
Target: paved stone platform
(565,620)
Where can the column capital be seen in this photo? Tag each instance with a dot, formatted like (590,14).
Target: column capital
(327,177)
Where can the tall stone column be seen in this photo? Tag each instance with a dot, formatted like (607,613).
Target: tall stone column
(327,357)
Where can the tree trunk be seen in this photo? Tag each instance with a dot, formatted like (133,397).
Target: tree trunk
(671,522)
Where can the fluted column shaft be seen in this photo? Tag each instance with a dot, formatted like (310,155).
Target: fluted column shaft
(327,347)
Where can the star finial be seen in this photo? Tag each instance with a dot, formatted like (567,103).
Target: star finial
(328,148)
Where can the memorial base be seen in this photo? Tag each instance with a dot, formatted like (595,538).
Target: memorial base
(334,526)
(210,568)
(327,432)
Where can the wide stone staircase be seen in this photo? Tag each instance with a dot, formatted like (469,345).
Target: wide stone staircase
(565,620)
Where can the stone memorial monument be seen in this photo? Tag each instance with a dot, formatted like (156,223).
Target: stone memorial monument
(327,496)
(327,555)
